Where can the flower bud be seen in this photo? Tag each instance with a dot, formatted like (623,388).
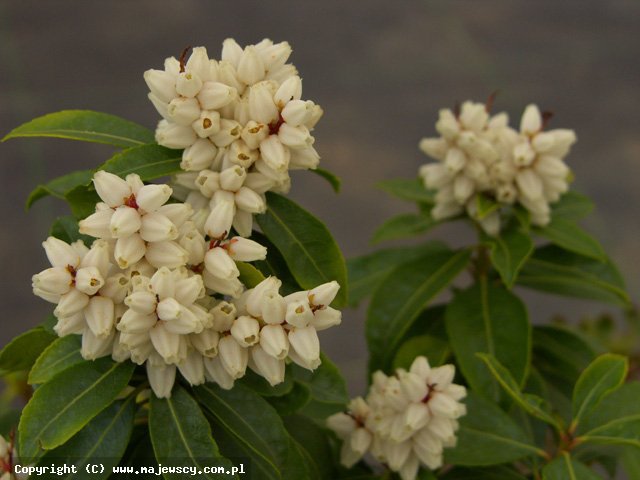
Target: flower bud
(60,254)
(240,154)
(129,250)
(447,124)
(97,224)
(326,318)
(233,357)
(296,112)
(342,424)
(229,132)
(55,280)
(299,313)
(134,322)
(166,254)
(253,133)
(95,347)
(141,302)
(272,369)
(231,52)
(251,69)
(219,264)
(274,153)
(246,331)
(125,221)
(269,285)
(183,111)
(225,286)
(442,375)
(207,123)
(531,121)
(72,324)
(220,219)
(157,228)
(172,135)
(206,342)
(70,303)
(436,148)
(261,106)
(224,313)
(231,179)
(198,156)
(250,201)
(455,160)
(215,372)
(306,344)
(274,341)
(290,89)
(324,294)
(167,344)
(192,368)
(304,158)
(188,84)
(529,183)
(162,84)
(161,378)
(151,197)
(168,309)
(199,63)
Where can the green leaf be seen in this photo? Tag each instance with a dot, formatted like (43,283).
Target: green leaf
(87,126)
(180,431)
(488,436)
(102,441)
(275,264)
(435,349)
(368,271)
(330,177)
(529,403)
(148,161)
(572,206)
(59,187)
(509,252)
(291,402)
(249,275)
(259,385)
(489,319)
(631,462)
(570,236)
(407,189)
(82,201)
(400,298)
(605,374)
(566,468)
(403,226)
(306,244)
(62,406)
(557,271)
(61,354)
(315,443)
(492,473)
(66,229)
(616,420)
(325,383)
(21,352)
(9,419)
(485,206)
(252,422)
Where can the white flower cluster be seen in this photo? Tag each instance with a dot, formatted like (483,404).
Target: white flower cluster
(242,124)
(405,421)
(480,154)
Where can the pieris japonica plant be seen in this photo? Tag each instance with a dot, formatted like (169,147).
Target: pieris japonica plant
(188,291)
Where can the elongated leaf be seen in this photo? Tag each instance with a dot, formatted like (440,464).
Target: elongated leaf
(66,229)
(275,264)
(59,187)
(249,275)
(102,441)
(631,462)
(529,403)
(616,420)
(299,463)
(61,354)
(485,205)
(315,442)
(560,355)
(403,226)
(566,468)
(491,473)
(605,374)
(489,319)
(572,206)
(330,177)
(291,402)
(368,271)
(435,349)
(82,201)
(568,235)
(259,385)
(148,161)
(509,252)
(398,301)
(252,422)
(325,383)
(61,407)
(180,431)
(306,244)
(21,352)
(407,189)
(87,126)
(488,436)
(556,271)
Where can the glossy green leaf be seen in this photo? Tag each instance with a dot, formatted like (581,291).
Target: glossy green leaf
(21,352)
(9,419)
(398,301)
(259,385)
(631,462)
(325,383)
(572,206)
(87,126)
(252,422)
(330,177)
(59,187)
(485,205)
(407,189)
(403,226)
(368,271)
(82,201)
(306,244)
(489,319)
(102,441)
(66,229)
(570,236)
(275,264)
(604,375)
(557,271)
(564,467)
(63,406)
(315,443)
(509,252)
(531,404)
(249,275)
(148,161)
(291,402)
(488,436)
(616,419)
(180,431)
(435,349)
(61,354)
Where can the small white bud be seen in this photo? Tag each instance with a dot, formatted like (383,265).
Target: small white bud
(234,358)
(261,105)
(206,342)
(134,322)
(129,250)
(55,280)
(231,179)
(220,219)
(447,124)
(198,156)
(95,347)
(151,197)
(529,184)
(161,378)
(272,369)
(224,313)
(304,158)
(240,154)
(215,372)
(207,124)
(162,84)
(297,112)
(246,331)
(250,201)
(295,137)
(70,303)
(282,74)
(274,153)
(531,120)
(192,368)
(89,280)
(274,341)
(342,424)
(274,308)
(59,253)
(326,318)
(167,344)
(157,228)
(251,69)
(166,254)
(188,84)
(219,264)
(229,132)
(290,89)
(231,52)
(225,286)
(168,309)
(436,148)
(97,224)
(183,111)
(112,189)
(299,313)
(125,221)
(172,135)
(306,345)
(70,325)
(253,133)
(245,250)
(142,302)
(324,294)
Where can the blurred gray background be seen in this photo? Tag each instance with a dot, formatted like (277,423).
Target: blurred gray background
(381,70)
